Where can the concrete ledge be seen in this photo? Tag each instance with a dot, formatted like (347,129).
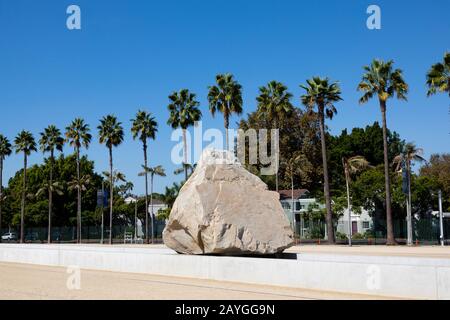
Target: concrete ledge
(407,277)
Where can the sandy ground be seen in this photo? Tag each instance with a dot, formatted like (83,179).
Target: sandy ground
(22,281)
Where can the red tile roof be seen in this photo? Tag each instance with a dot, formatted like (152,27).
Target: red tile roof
(287,194)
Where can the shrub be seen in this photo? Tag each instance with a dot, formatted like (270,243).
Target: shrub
(341,236)
(357,236)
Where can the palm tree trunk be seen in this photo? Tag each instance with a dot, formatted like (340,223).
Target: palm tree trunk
(50,199)
(226,121)
(185,155)
(277,160)
(151,205)
(1,193)
(22,207)
(78,197)
(326,184)
(111,190)
(146,192)
(389,225)
(348,205)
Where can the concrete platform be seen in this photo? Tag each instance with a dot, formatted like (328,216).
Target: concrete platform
(390,273)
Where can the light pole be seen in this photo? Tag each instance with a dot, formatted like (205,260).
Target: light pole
(135,218)
(441,218)
(103,204)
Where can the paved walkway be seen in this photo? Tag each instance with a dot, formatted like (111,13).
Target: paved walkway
(22,281)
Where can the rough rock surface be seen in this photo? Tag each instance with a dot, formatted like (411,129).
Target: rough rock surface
(224,209)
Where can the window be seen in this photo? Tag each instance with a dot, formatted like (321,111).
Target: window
(366,225)
(285,205)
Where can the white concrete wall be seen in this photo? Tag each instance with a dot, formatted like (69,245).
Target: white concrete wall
(426,278)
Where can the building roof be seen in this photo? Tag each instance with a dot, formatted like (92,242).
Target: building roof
(298,193)
(156,202)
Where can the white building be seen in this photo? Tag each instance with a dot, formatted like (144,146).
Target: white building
(157,204)
(361,222)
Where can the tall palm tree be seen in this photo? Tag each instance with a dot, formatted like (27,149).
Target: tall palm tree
(322,94)
(352,165)
(50,141)
(184,112)
(438,77)
(5,151)
(24,142)
(225,97)
(144,127)
(111,134)
(78,136)
(382,81)
(404,161)
(155,171)
(274,103)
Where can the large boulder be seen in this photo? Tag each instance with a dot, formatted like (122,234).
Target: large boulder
(224,209)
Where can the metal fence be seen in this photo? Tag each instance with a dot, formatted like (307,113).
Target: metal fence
(89,234)
(425,231)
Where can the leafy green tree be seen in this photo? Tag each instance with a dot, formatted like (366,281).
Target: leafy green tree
(322,94)
(111,134)
(274,103)
(364,142)
(155,171)
(225,97)
(144,127)
(5,151)
(78,136)
(50,141)
(25,143)
(382,81)
(298,133)
(438,77)
(437,170)
(169,197)
(64,205)
(184,112)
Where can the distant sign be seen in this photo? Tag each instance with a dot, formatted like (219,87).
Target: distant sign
(102,198)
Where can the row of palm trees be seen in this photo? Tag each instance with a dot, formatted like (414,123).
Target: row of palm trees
(380,80)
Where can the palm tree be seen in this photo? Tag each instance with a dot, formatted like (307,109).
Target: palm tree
(24,142)
(438,77)
(50,141)
(185,166)
(80,185)
(184,112)
(381,80)
(158,171)
(322,94)
(111,134)
(352,165)
(78,136)
(5,151)
(144,127)
(117,176)
(274,103)
(225,97)
(293,168)
(404,160)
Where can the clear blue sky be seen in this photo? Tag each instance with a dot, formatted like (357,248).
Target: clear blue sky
(133,54)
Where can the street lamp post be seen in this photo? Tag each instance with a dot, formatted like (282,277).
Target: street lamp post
(441,218)
(103,204)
